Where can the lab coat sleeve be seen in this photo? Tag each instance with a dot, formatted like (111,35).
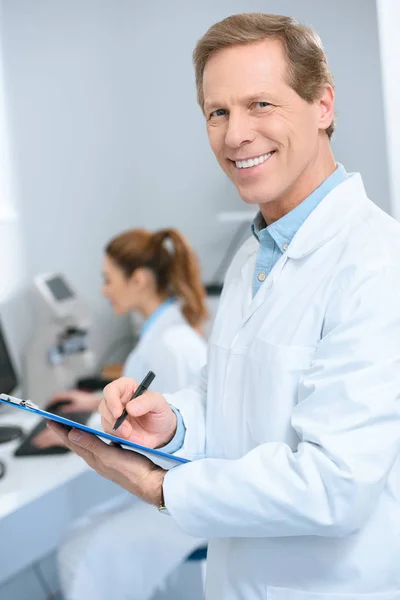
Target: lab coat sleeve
(347,420)
(191,404)
(177,441)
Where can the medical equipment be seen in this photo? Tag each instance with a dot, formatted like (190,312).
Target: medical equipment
(58,353)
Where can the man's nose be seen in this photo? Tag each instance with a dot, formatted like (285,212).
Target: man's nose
(239,131)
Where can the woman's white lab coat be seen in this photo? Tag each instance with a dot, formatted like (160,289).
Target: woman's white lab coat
(300,490)
(125,548)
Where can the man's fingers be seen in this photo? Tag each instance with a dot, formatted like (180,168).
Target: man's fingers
(63,433)
(88,442)
(108,421)
(147,402)
(60,430)
(105,412)
(118,393)
(82,443)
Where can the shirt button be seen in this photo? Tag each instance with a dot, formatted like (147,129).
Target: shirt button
(262,276)
(285,246)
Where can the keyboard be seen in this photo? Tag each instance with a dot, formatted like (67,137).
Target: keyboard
(27,448)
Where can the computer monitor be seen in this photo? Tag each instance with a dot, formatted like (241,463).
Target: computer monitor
(8,376)
(8,383)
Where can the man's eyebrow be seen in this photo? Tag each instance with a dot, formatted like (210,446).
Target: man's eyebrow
(211,105)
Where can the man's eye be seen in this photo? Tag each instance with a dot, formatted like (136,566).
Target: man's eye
(220,112)
(263,104)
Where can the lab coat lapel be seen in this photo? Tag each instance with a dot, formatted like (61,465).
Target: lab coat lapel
(251,305)
(330,217)
(326,221)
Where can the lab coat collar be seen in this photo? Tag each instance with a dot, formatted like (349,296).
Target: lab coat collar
(329,218)
(155,316)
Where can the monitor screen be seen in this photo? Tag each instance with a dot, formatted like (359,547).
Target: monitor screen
(8,377)
(59,288)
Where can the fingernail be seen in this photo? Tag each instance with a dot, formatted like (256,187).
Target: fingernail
(75,436)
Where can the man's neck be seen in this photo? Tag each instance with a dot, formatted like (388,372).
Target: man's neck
(308,181)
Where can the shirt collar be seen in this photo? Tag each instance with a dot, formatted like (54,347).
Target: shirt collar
(156,315)
(284,229)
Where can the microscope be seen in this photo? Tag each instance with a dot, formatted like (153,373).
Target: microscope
(58,354)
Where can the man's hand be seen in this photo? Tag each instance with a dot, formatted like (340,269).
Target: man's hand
(78,401)
(150,422)
(132,471)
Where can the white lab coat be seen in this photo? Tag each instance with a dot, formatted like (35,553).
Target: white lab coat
(300,490)
(170,348)
(125,549)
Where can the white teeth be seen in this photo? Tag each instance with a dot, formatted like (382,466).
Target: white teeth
(252,162)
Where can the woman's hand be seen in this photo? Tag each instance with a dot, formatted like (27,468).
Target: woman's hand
(78,401)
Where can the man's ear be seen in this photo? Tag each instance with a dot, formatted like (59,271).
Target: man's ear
(327,107)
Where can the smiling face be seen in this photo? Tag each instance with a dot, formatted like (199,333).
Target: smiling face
(269,141)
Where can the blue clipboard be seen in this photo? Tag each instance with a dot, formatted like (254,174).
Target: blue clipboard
(162,458)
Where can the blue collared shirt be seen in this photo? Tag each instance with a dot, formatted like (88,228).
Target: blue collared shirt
(156,315)
(274,240)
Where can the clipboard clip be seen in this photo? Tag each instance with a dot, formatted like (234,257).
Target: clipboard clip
(19,402)
(29,404)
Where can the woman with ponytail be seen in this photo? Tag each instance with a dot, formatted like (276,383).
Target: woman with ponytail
(128,551)
(158,276)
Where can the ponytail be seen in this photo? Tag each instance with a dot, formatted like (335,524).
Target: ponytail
(176,269)
(182,273)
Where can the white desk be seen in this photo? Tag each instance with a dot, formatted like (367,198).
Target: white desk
(39,499)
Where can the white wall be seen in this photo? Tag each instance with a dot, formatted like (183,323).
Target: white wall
(12,253)
(389,19)
(108,134)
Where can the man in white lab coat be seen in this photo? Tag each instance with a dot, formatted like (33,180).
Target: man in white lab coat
(295,426)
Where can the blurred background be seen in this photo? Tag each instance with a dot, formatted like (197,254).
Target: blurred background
(100,132)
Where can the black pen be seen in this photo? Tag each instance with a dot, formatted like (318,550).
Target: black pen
(142,387)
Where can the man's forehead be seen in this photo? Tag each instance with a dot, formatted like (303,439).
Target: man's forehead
(248,71)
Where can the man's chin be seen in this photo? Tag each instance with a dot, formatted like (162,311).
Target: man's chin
(253,197)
